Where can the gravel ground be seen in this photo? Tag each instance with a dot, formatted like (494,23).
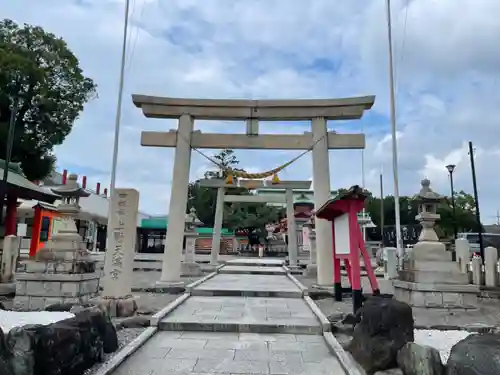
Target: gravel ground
(125,336)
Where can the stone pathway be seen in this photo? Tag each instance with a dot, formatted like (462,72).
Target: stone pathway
(220,333)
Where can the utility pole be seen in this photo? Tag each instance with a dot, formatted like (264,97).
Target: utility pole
(114,163)
(382,209)
(397,212)
(476,199)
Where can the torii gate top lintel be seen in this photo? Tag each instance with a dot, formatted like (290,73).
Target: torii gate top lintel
(243,109)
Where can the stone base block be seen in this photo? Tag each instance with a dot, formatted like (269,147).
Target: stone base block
(36,291)
(448,296)
(311,270)
(191,269)
(120,307)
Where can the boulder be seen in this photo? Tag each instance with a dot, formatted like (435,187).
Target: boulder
(60,307)
(21,343)
(385,326)
(392,371)
(70,346)
(5,355)
(477,354)
(415,359)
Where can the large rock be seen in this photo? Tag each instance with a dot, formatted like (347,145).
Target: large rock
(67,347)
(5,355)
(475,355)
(385,326)
(415,359)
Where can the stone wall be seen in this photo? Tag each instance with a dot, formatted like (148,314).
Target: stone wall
(36,291)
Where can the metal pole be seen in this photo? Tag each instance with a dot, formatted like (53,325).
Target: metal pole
(117,127)
(363,186)
(382,209)
(476,199)
(455,234)
(455,230)
(394,139)
(8,155)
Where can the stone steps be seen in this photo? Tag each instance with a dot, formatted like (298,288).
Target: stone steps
(243,314)
(271,328)
(256,262)
(246,293)
(238,323)
(249,270)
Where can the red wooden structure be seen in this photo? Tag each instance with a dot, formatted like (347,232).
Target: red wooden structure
(348,242)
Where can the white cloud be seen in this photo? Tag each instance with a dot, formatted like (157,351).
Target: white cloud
(446,60)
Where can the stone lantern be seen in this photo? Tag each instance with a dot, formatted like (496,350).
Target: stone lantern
(312,268)
(430,278)
(62,271)
(428,202)
(189,267)
(67,243)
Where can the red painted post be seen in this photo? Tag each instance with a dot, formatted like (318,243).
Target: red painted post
(357,295)
(64,176)
(84,182)
(98,188)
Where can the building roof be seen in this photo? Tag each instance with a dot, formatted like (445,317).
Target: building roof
(25,189)
(94,207)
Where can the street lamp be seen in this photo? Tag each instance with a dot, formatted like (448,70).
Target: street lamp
(451,168)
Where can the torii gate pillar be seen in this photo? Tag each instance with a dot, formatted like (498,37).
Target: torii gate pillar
(321,178)
(171,268)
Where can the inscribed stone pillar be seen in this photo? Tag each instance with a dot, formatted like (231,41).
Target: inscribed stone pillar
(462,249)
(119,260)
(292,231)
(219,213)
(172,257)
(390,255)
(490,266)
(321,181)
(9,256)
(190,247)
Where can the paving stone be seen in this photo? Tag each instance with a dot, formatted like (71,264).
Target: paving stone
(255,355)
(243,314)
(248,285)
(268,337)
(329,366)
(261,262)
(252,270)
(200,353)
(231,366)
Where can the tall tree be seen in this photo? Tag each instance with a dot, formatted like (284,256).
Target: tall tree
(41,79)
(236,215)
(204,199)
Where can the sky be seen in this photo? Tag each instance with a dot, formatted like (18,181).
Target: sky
(447,68)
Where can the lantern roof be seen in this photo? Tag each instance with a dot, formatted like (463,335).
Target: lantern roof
(426,194)
(71,188)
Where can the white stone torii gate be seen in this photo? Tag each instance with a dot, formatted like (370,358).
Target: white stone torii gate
(251,111)
(221,186)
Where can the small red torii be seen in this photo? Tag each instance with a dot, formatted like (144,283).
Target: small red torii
(348,242)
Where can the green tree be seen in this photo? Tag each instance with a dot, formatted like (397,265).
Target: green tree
(236,215)
(204,199)
(40,78)
(464,206)
(465,214)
